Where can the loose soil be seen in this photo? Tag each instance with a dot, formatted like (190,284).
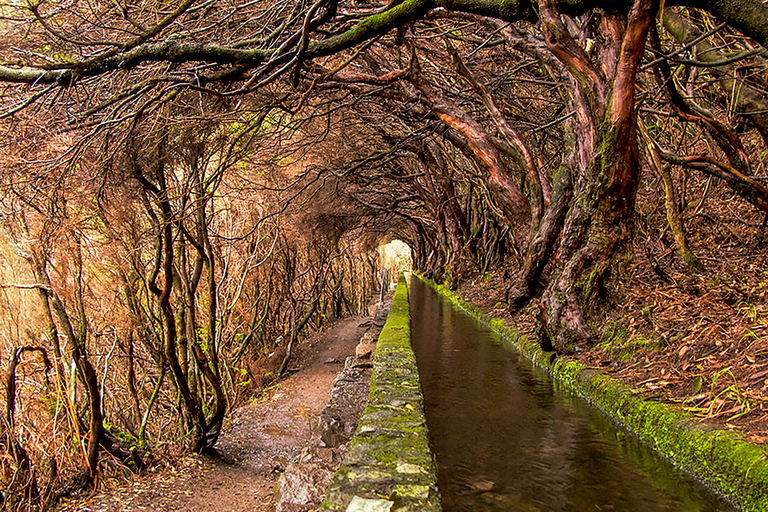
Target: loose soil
(256,445)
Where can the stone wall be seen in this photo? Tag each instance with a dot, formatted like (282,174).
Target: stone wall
(389,466)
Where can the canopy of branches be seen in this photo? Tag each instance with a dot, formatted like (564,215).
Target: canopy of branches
(186,182)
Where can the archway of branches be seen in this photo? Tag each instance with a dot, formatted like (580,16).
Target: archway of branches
(188,187)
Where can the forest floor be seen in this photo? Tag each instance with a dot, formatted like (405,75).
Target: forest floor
(257,443)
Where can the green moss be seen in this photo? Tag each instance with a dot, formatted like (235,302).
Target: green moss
(125,438)
(616,341)
(694,263)
(412,491)
(731,467)
(587,284)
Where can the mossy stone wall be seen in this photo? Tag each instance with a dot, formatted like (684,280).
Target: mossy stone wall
(389,465)
(729,466)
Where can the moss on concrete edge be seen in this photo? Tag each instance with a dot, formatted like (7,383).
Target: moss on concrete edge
(389,457)
(722,460)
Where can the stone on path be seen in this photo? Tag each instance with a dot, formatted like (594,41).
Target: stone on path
(302,485)
(359,504)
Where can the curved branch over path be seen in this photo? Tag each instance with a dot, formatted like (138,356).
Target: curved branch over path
(750,17)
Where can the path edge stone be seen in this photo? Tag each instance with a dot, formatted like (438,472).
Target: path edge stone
(389,460)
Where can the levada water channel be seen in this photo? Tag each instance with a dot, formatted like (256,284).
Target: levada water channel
(505,441)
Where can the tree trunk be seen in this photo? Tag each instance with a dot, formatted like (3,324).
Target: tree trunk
(599,222)
(295,333)
(164,256)
(543,242)
(672,207)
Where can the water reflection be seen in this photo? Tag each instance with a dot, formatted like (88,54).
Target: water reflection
(504,441)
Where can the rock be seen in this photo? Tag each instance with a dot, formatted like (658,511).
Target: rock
(302,487)
(369,337)
(481,485)
(355,363)
(411,469)
(359,504)
(365,350)
(380,318)
(348,397)
(332,432)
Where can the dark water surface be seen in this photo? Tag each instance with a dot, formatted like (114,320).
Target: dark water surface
(504,441)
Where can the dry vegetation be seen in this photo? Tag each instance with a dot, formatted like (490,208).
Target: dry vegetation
(188,187)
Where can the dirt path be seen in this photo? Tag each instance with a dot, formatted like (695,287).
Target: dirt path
(256,445)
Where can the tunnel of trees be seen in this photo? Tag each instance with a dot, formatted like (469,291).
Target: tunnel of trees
(189,186)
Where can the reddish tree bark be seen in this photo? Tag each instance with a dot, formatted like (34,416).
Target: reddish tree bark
(599,222)
(511,198)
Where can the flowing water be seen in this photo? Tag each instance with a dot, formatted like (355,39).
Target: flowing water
(505,441)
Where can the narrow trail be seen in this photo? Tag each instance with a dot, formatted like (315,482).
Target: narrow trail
(256,445)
